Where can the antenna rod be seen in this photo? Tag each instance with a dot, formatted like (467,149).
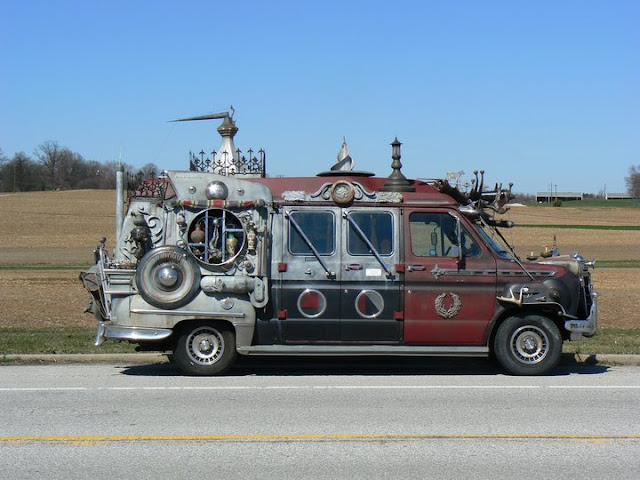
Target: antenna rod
(211,116)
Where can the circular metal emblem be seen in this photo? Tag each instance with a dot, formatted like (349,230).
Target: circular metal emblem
(312,303)
(167,277)
(342,192)
(454,305)
(369,304)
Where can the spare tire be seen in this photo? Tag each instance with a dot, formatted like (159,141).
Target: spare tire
(168,277)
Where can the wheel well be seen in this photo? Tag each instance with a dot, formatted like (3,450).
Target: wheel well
(189,324)
(518,312)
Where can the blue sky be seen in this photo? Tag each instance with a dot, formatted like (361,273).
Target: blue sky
(533,92)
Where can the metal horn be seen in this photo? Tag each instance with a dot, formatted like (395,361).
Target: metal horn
(211,116)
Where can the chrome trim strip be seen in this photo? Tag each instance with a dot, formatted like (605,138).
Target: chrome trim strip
(403,350)
(116,332)
(187,313)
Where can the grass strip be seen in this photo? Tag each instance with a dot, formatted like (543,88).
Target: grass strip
(580,227)
(70,340)
(617,263)
(608,341)
(62,340)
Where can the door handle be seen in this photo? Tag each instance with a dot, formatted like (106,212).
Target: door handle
(353,266)
(416,268)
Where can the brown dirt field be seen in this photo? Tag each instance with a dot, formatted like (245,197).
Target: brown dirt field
(574,216)
(618,297)
(55,227)
(42,298)
(64,227)
(598,244)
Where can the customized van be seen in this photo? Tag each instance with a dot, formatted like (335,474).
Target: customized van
(221,261)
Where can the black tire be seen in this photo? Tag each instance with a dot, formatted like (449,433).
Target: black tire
(528,345)
(205,349)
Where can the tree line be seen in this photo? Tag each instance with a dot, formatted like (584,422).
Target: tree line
(54,167)
(59,168)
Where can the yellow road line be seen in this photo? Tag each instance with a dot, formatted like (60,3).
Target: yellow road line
(310,437)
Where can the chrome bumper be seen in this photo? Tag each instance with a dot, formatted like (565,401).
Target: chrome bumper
(133,334)
(587,327)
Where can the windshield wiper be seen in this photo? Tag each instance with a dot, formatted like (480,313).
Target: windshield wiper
(315,252)
(366,240)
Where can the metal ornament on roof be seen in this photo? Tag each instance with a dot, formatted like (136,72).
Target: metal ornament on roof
(152,187)
(344,165)
(227,165)
(345,162)
(228,160)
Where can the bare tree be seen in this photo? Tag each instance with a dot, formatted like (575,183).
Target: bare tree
(49,154)
(20,174)
(633,181)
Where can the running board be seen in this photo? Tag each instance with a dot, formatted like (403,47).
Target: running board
(346,350)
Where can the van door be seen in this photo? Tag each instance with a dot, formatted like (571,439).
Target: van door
(309,275)
(370,293)
(450,289)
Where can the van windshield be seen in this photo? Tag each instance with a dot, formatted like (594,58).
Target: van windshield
(493,240)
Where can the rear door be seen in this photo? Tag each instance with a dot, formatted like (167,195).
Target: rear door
(337,279)
(309,275)
(370,293)
(449,298)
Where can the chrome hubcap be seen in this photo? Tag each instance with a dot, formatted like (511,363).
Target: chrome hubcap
(205,345)
(529,344)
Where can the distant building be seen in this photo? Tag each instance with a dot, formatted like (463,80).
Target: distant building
(551,196)
(617,196)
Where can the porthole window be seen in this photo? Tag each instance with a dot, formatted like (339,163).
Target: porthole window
(216,236)
(369,304)
(312,303)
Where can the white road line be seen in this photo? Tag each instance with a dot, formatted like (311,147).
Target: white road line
(323,387)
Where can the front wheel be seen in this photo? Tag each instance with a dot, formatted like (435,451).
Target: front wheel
(205,350)
(528,345)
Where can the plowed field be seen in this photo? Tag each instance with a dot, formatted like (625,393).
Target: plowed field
(58,228)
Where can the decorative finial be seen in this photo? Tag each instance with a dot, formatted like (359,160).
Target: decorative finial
(397,182)
(345,162)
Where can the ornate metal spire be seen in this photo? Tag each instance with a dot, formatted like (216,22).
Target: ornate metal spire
(345,162)
(397,182)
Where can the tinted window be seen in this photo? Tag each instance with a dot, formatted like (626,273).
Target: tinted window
(378,229)
(319,227)
(435,235)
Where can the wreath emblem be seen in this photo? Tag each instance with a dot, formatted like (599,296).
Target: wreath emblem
(453,310)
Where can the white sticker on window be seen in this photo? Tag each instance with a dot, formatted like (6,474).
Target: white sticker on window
(373,272)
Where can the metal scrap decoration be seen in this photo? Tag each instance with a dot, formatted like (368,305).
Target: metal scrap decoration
(237,165)
(453,310)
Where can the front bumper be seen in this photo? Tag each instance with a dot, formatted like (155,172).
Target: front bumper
(586,327)
(133,334)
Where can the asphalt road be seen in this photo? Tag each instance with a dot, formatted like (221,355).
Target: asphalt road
(335,418)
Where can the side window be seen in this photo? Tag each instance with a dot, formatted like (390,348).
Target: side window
(378,229)
(319,228)
(435,235)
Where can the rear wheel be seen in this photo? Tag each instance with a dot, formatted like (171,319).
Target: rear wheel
(205,349)
(528,345)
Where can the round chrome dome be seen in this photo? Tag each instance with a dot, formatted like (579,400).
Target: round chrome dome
(216,191)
